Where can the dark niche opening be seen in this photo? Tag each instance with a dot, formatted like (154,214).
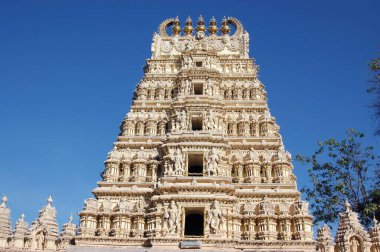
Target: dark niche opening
(195,165)
(198,89)
(194,225)
(196,123)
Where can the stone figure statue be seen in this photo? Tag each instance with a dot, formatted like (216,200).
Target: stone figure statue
(140,205)
(187,87)
(178,162)
(187,62)
(40,240)
(210,121)
(125,205)
(208,87)
(355,245)
(253,155)
(183,120)
(212,162)
(208,62)
(172,217)
(239,156)
(214,218)
(90,204)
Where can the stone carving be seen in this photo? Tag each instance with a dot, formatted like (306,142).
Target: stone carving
(172,217)
(210,121)
(181,120)
(355,245)
(253,155)
(91,204)
(178,162)
(187,62)
(187,87)
(214,218)
(125,205)
(212,163)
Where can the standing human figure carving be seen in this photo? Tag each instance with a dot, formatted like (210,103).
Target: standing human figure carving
(178,162)
(355,245)
(212,162)
(183,120)
(187,87)
(214,218)
(210,121)
(253,155)
(172,217)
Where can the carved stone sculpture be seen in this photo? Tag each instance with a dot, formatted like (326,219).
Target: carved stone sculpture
(172,218)
(212,163)
(214,217)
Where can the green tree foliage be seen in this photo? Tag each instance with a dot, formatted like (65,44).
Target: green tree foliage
(374,88)
(342,170)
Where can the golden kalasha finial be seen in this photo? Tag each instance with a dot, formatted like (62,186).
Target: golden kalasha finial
(225,29)
(189,26)
(201,24)
(212,29)
(176,27)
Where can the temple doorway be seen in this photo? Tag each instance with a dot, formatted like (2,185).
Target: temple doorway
(194,223)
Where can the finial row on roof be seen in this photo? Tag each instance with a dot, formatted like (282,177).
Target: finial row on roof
(213,29)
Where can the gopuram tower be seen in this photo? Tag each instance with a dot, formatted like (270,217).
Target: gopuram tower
(199,162)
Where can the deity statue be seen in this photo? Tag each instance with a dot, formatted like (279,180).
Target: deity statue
(172,217)
(183,120)
(178,162)
(208,87)
(210,121)
(239,156)
(214,218)
(240,68)
(208,62)
(187,62)
(187,87)
(355,245)
(141,153)
(40,240)
(125,205)
(212,162)
(253,155)
(140,205)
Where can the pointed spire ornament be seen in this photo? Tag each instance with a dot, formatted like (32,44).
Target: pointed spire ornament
(189,26)
(212,29)
(50,200)
(176,27)
(225,29)
(201,25)
(71,218)
(4,200)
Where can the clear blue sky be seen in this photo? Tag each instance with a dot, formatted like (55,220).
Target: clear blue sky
(68,70)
